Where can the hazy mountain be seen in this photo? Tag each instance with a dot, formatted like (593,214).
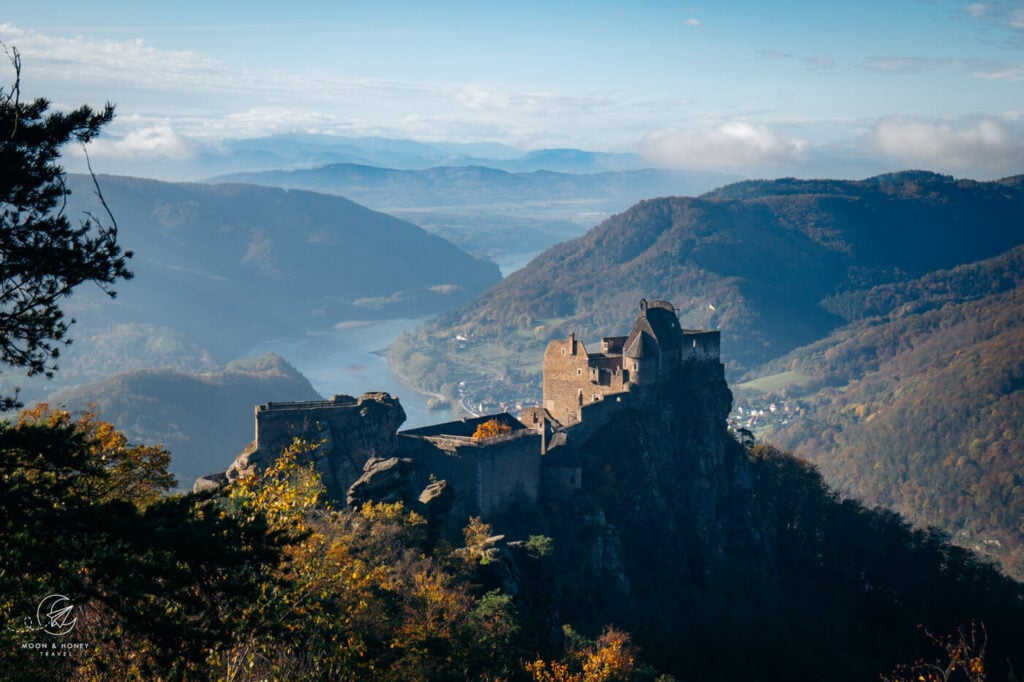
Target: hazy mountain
(290,151)
(203,419)
(493,212)
(230,264)
(573,161)
(766,255)
(220,269)
(918,405)
(477,184)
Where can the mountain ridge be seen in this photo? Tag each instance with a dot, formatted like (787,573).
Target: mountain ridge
(917,407)
(765,263)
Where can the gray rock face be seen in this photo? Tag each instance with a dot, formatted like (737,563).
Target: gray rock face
(437,499)
(383,480)
(662,473)
(211,482)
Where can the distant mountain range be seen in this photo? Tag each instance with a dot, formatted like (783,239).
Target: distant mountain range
(477,184)
(291,151)
(296,150)
(497,207)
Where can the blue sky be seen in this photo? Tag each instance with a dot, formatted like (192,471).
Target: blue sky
(781,88)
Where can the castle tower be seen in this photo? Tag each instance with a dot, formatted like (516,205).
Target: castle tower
(653,348)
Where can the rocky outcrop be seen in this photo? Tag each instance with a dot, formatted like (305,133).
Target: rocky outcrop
(383,480)
(209,483)
(660,472)
(437,500)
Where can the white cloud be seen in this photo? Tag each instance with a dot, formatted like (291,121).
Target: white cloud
(1008,73)
(482,99)
(144,143)
(1000,12)
(82,58)
(976,9)
(695,23)
(985,147)
(736,144)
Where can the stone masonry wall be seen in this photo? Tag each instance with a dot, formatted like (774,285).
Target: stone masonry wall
(347,432)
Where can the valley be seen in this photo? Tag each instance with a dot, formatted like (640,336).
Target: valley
(531,342)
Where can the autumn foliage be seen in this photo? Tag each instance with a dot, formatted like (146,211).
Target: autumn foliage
(612,658)
(490,429)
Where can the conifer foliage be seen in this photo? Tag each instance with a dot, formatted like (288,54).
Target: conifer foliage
(43,254)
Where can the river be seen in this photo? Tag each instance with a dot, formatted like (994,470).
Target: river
(351,358)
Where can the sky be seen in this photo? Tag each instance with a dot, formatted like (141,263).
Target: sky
(757,88)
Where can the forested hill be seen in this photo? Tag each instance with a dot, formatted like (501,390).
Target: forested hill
(203,419)
(918,406)
(764,254)
(227,266)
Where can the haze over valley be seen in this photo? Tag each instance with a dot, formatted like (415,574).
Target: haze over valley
(338,422)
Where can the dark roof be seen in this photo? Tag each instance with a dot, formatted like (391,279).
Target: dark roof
(656,331)
(464,427)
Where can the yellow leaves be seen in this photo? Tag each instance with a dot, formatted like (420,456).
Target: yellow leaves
(134,473)
(551,671)
(612,658)
(284,493)
(490,429)
(476,532)
(383,512)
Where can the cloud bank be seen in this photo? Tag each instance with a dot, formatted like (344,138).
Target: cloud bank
(984,146)
(733,145)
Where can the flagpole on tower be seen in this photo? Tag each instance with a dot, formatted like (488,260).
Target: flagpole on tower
(711,309)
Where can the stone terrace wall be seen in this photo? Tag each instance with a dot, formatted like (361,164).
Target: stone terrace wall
(485,475)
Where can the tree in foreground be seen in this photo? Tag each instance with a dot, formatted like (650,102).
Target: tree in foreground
(43,255)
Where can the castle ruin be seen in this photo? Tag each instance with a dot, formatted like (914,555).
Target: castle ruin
(533,459)
(653,350)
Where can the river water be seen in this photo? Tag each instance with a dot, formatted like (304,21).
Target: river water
(351,358)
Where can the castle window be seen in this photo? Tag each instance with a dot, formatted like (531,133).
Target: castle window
(579,371)
(563,350)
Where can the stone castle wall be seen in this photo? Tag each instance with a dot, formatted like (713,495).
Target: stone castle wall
(485,475)
(701,345)
(571,381)
(347,432)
